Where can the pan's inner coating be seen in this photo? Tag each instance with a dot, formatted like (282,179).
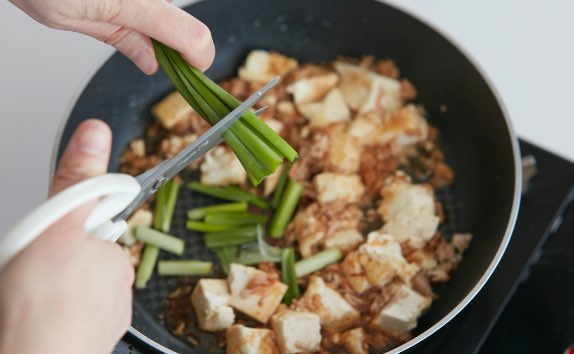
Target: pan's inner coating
(376,185)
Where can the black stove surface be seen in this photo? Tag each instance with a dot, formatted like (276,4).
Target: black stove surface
(527,306)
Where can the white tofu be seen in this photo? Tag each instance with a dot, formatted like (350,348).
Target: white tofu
(366,91)
(335,312)
(401,314)
(297,332)
(141,217)
(221,167)
(355,341)
(171,110)
(344,153)
(399,129)
(244,340)
(270,183)
(335,186)
(138,147)
(262,66)
(254,292)
(312,88)
(274,124)
(345,240)
(210,300)
(408,211)
(330,110)
(376,263)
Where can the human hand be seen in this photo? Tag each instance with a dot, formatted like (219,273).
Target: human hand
(128,25)
(68,292)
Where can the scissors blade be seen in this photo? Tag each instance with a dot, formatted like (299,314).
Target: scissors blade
(153,179)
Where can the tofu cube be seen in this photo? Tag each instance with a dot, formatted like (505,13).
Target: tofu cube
(254,292)
(221,167)
(331,109)
(297,332)
(262,66)
(312,88)
(171,110)
(408,211)
(401,314)
(210,300)
(335,186)
(376,263)
(244,340)
(344,154)
(345,240)
(335,312)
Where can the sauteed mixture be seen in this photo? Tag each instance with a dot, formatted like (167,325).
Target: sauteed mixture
(358,208)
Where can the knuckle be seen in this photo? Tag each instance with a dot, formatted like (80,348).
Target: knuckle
(118,35)
(106,10)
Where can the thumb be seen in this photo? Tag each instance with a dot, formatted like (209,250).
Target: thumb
(86,155)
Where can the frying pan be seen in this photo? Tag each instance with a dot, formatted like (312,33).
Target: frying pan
(476,134)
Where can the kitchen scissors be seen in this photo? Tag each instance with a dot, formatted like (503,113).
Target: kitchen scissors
(120,194)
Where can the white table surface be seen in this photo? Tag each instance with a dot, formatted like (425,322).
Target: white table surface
(525,46)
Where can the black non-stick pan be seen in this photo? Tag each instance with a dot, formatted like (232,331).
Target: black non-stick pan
(475,133)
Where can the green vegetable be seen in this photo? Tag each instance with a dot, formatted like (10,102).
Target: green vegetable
(232,193)
(165,242)
(317,261)
(286,209)
(204,227)
(145,268)
(184,268)
(199,213)
(288,275)
(250,254)
(231,237)
(226,256)
(165,205)
(281,184)
(234,218)
(255,144)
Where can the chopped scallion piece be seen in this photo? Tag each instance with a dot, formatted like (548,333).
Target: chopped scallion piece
(231,237)
(234,218)
(232,193)
(250,254)
(165,205)
(184,268)
(286,208)
(204,227)
(163,241)
(146,266)
(199,213)
(281,184)
(226,256)
(317,261)
(288,275)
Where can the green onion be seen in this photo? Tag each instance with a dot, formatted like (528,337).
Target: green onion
(163,241)
(281,184)
(165,205)
(233,193)
(145,268)
(250,253)
(184,268)
(259,149)
(285,209)
(317,261)
(226,256)
(288,275)
(199,213)
(204,227)
(231,237)
(234,218)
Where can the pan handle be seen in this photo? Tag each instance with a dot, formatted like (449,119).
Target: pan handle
(116,192)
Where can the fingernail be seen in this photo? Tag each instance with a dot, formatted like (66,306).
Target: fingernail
(92,141)
(145,60)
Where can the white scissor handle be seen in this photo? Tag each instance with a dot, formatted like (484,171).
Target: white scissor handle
(116,190)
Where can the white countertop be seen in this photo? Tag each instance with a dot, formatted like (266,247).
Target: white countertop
(525,47)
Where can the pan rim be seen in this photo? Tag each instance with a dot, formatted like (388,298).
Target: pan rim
(511,134)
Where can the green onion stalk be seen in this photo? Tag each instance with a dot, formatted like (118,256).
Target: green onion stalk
(259,149)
